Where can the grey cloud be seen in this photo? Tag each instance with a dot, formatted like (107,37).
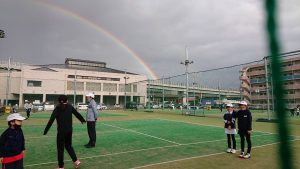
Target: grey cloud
(218,33)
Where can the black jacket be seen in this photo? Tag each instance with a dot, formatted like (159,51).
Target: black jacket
(244,119)
(12,142)
(229,120)
(64,119)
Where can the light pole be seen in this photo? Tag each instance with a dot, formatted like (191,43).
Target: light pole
(125,78)
(75,87)
(2,35)
(149,95)
(163,90)
(7,81)
(258,93)
(267,86)
(186,63)
(194,85)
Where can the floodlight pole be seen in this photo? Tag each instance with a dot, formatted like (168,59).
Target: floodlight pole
(8,81)
(149,94)
(186,63)
(194,85)
(257,91)
(163,90)
(75,87)
(2,35)
(125,78)
(267,87)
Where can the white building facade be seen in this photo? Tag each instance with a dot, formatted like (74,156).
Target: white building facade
(75,78)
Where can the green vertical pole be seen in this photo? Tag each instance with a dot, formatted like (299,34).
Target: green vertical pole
(285,154)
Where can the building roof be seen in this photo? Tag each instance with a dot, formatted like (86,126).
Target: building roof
(80,64)
(86,68)
(45,69)
(72,61)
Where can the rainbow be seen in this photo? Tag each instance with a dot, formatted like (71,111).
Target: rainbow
(102,30)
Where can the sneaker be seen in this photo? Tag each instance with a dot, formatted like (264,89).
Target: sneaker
(228,150)
(247,156)
(233,151)
(242,155)
(77,164)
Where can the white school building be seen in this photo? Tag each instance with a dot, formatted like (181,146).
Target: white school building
(73,78)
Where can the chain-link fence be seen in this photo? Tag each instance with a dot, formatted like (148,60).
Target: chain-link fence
(207,89)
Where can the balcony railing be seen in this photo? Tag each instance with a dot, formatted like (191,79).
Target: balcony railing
(256,81)
(258,97)
(257,72)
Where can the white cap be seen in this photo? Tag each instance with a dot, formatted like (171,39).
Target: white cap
(229,105)
(15,116)
(243,103)
(90,95)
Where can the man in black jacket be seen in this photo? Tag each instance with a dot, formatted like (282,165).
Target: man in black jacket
(63,115)
(244,119)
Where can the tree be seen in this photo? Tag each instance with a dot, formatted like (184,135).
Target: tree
(2,34)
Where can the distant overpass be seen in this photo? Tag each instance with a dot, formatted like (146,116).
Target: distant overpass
(177,92)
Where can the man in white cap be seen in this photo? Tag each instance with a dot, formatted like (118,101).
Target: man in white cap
(28,108)
(91,118)
(12,143)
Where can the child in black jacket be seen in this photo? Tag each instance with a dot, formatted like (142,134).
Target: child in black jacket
(12,143)
(244,118)
(230,130)
(63,115)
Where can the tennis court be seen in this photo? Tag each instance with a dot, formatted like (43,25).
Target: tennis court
(131,143)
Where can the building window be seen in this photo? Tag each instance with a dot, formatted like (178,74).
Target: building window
(93,78)
(134,88)
(110,87)
(33,83)
(122,86)
(93,86)
(71,85)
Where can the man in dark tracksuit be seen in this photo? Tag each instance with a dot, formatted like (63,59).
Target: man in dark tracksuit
(91,118)
(63,115)
(244,118)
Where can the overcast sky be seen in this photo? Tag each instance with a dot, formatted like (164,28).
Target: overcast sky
(217,32)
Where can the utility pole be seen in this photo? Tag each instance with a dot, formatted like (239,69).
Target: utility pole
(163,90)
(2,35)
(267,87)
(186,63)
(75,87)
(219,92)
(149,94)
(125,78)
(8,81)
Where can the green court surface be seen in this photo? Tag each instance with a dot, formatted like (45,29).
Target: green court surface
(45,115)
(143,139)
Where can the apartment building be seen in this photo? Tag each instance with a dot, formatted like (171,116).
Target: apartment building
(256,87)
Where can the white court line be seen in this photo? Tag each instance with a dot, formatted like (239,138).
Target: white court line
(137,132)
(134,151)
(208,125)
(99,132)
(202,156)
